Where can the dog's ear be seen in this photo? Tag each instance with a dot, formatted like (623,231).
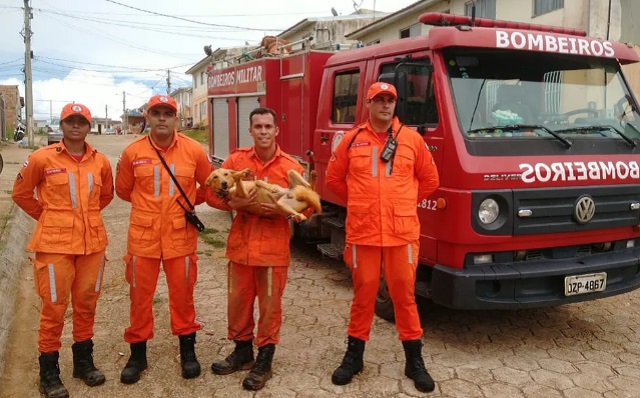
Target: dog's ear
(210,180)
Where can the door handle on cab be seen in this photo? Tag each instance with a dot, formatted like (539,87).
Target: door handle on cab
(324,138)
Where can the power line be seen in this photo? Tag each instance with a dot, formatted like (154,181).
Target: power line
(184,19)
(111,38)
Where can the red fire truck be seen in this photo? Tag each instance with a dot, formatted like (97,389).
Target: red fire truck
(535,133)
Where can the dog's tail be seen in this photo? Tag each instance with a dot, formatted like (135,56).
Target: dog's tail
(304,194)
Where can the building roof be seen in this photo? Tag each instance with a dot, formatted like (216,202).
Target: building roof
(390,18)
(180,90)
(200,65)
(307,22)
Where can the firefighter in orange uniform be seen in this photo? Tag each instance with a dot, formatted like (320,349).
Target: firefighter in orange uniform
(159,232)
(74,183)
(381,168)
(258,253)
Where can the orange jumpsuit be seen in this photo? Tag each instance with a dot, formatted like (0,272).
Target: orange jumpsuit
(258,250)
(382,226)
(70,238)
(158,230)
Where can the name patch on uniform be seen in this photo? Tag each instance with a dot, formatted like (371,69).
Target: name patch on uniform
(361,143)
(57,170)
(140,162)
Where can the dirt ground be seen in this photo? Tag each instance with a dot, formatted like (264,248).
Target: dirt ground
(582,350)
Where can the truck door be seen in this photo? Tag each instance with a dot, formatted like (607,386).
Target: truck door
(220,128)
(245,106)
(291,128)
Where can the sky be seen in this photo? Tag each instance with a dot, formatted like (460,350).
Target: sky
(91,51)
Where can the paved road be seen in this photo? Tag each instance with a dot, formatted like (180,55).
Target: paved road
(581,350)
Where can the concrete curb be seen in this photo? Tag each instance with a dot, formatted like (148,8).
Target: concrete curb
(12,259)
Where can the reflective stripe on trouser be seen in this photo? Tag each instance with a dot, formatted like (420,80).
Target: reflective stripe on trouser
(142,275)
(245,283)
(399,264)
(58,278)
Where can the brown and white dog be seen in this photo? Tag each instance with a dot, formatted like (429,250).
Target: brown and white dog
(299,196)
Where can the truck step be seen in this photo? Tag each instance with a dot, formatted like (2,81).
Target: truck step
(334,222)
(423,289)
(331,250)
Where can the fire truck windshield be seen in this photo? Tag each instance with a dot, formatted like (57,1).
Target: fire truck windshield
(534,95)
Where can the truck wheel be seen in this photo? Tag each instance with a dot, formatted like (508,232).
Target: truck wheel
(384,305)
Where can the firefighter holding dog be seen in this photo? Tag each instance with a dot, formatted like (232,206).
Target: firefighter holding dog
(158,173)
(258,253)
(380,169)
(73,183)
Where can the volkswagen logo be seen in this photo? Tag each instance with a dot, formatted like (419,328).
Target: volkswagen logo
(585,209)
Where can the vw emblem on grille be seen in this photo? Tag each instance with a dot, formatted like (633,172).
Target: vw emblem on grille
(585,209)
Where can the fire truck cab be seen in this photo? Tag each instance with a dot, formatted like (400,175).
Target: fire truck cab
(535,133)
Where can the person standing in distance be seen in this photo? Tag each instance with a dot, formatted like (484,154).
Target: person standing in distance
(159,232)
(380,169)
(258,253)
(73,183)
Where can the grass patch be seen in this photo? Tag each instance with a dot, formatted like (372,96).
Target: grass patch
(201,136)
(209,236)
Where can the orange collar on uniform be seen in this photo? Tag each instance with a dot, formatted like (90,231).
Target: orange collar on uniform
(61,147)
(254,155)
(395,126)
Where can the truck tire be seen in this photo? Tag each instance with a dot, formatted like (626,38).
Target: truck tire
(384,305)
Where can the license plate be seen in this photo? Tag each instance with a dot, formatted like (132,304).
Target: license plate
(589,283)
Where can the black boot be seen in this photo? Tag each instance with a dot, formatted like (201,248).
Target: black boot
(240,359)
(188,360)
(352,363)
(83,367)
(414,368)
(261,371)
(50,383)
(137,363)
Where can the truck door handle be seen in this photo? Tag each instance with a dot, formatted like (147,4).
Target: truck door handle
(324,137)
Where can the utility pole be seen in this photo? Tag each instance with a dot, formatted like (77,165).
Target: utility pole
(168,82)
(124,112)
(106,118)
(27,72)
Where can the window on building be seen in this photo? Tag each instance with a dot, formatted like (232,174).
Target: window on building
(345,97)
(203,110)
(202,77)
(372,42)
(195,107)
(544,6)
(412,31)
(195,81)
(484,8)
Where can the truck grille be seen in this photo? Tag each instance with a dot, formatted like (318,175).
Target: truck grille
(552,210)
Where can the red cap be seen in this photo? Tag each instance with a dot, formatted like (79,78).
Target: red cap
(160,99)
(378,88)
(75,109)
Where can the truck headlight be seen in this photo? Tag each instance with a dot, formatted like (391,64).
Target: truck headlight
(488,211)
